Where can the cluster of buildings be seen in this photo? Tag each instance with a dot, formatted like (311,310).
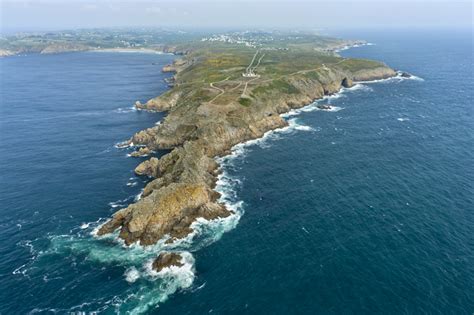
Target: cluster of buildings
(229,39)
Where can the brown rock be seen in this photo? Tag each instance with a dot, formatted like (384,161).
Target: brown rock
(147,168)
(167,259)
(322,106)
(143,151)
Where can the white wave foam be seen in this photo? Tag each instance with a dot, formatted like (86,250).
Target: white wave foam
(84,226)
(20,270)
(304,128)
(310,108)
(171,279)
(125,110)
(398,78)
(359,87)
(142,296)
(117,204)
(347,47)
(415,78)
(294,125)
(132,274)
(139,195)
(403,119)
(124,144)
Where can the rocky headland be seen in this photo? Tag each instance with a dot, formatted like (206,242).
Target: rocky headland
(212,107)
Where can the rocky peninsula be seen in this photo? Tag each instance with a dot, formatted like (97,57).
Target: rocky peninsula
(223,94)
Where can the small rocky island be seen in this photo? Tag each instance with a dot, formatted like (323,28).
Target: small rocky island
(224,91)
(167,260)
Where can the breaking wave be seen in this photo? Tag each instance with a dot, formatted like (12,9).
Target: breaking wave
(147,288)
(125,110)
(347,47)
(398,78)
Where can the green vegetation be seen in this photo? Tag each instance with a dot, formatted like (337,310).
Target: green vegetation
(276,85)
(354,65)
(244,101)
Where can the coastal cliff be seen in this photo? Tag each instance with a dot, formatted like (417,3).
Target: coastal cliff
(206,119)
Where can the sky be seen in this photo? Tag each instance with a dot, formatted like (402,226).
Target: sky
(45,15)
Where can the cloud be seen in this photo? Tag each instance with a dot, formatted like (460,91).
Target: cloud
(153,10)
(113,7)
(89,7)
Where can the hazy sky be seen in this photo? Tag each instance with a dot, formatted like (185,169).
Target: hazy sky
(31,15)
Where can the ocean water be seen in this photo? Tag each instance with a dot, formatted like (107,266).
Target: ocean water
(365,209)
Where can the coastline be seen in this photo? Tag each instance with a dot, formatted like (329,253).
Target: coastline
(131,50)
(51,50)
(207,121)
(160,49)
(231,212)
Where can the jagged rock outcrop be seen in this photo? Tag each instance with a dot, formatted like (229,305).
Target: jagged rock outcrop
(169,210)
(141,152)
(160,103)
(373,74)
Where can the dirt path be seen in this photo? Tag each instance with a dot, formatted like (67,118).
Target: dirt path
(249,68)
(221,91)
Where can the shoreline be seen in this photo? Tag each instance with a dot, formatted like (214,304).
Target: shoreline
(130,50)
(165,50)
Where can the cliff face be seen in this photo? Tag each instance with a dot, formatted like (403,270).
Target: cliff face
(184,179)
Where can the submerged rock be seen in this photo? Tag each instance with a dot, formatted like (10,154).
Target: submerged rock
(323,106)
(405,74)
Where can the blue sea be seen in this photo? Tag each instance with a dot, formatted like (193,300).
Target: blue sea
(364,209)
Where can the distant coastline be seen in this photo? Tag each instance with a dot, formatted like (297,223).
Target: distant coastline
(131,50)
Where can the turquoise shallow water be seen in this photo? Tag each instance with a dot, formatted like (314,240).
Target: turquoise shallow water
(367,209)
